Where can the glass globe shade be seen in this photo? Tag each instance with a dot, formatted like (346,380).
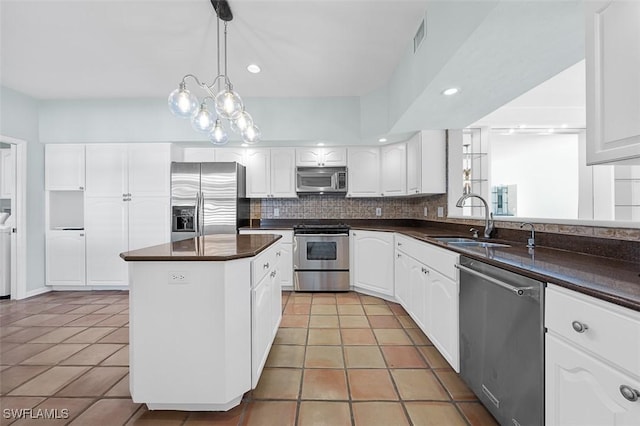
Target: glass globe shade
(203,120)
(228,104)
(182,102)
(251,135)
(218,135)
(242,122)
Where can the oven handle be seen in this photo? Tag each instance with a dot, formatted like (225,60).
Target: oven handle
(518,291)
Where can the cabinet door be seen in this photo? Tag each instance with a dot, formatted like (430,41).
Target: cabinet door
(149,221)
(276,300)
(308,157)
(106,174)
(414,165)
(283,167)
(200,155)
(7,173)
(612,52)
(419,289)
(432,162)
(65,252)
(394,169)
(580,390)
(230,155)
(258,173)
(149,169)
(286,266)
(442,316)
(106,235)
(364,172)
(373,261)
(401,273)
(334,157)
(261,323)
(64,167)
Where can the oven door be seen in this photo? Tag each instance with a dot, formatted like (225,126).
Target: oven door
(321,252)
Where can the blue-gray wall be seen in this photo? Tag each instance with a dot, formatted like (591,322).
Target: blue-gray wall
(19,119)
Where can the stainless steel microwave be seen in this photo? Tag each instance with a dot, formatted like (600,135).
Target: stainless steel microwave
(320,180)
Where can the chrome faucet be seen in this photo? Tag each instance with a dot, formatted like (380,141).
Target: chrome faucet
(488,217)
(531,242)
(474,231)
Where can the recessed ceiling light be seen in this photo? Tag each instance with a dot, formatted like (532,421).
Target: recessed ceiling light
(551,130)
(253,68)
(244,145)
(522,126)
(511,131)
(382,140)
(564,126)
(450,91)
(320,144)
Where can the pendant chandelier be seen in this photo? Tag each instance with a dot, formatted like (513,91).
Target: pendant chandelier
(227,103)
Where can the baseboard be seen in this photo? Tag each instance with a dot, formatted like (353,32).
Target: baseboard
(88,288)
(375,294)
(35,292)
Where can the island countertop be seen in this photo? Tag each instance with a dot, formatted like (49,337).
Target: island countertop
(217,247)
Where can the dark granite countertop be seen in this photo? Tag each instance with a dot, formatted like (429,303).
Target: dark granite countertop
(607,278)
(218,247)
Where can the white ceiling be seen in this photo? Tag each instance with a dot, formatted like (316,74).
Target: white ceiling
(55,49)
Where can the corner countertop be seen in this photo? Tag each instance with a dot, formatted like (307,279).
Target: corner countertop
(605,278)
(217,247)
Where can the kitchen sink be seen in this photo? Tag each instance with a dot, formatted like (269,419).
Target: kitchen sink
(468,242)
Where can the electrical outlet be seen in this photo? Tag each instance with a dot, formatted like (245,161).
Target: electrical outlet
(440,211)
(276,212)
(426,212)
(178,277)
(378,211)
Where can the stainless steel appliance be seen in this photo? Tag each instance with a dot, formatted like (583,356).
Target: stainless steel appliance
(502,341)
(321,258)
(321,179)
(207,198)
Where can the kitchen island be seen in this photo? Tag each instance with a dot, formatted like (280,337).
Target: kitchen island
(203,314)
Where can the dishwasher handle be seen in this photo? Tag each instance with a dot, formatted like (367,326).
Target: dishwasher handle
(519,291)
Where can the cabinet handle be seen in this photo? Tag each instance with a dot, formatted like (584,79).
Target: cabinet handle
(278,254)
(629,393)
(399,244)
(81,188)
(82,235)
(266,265)
(353,233)
(273,274)
(398,255)
(579,327)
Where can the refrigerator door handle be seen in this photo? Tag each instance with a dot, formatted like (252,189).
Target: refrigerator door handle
(197,218)
(202,214)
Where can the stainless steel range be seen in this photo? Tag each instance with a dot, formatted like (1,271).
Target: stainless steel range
(321,257)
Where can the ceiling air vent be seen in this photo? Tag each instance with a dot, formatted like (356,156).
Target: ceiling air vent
(417,39)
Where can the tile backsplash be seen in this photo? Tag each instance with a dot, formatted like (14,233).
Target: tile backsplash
(339,207)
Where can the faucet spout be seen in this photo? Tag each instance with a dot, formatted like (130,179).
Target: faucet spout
(531,241)
(488,217)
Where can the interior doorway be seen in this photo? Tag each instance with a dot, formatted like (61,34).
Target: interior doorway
(13,166)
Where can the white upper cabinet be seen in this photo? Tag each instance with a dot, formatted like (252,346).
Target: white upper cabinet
(64,167)
(328,157)
(230,155)
(394,169)
(114,170)
(363,166)
(426,163)
(612,52)
(199,155)
(271,173)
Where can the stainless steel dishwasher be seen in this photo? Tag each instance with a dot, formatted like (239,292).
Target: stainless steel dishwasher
(502,341)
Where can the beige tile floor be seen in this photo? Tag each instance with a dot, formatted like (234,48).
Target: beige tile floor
(338,359)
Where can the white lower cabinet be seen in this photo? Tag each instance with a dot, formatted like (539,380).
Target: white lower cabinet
(371,256)
(592,361)
(285,264)
(65,258)
(266,307)
(427,286)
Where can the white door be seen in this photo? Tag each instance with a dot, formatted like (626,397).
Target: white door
(149,221)
(334,157)
(230,155)
(106,235)
(419,288)
(258,173)
(283,166)
(65,254)
(414,165)
(401,272)
(394,169)
(286,265)
(373,260)
(308,157)
(442,312)
(106,174)
(261,327)
(64,167)
(149,168)
(580,390)
(276,299)
(364,172)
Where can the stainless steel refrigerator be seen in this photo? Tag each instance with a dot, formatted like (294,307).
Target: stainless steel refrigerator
(207,198)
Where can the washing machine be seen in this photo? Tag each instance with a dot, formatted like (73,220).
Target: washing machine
(5,261)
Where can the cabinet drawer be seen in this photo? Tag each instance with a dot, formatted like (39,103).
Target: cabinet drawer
(441,260)
(612,332)
(287,236)
(264,263)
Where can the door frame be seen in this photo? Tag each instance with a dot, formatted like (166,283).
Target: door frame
(19,243)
